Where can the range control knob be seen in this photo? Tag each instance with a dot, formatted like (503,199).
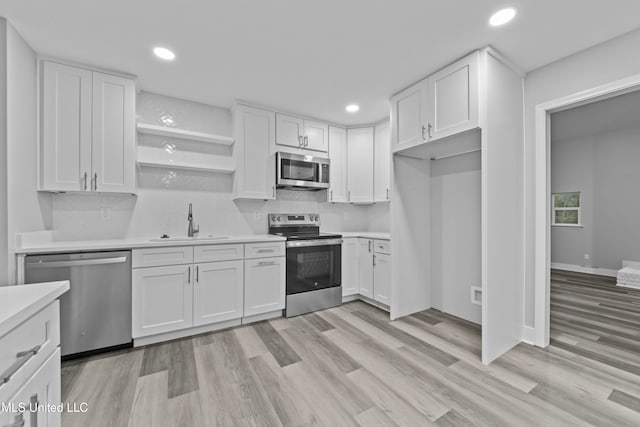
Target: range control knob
(279,218)
(273,217)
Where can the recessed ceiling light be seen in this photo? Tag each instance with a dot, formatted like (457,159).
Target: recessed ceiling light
(352,108)
(501,17)
(164,53)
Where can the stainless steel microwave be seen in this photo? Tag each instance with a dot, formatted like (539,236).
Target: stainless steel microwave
(296,171)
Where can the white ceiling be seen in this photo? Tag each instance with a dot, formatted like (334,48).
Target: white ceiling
(310,57)
(617,113)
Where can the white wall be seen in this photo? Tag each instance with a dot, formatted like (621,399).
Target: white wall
(28,210)
(4,254)
(607,62)
(456,235)
(604,167)
(163,194)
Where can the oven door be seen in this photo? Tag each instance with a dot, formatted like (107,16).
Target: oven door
(313,265)
(295,170)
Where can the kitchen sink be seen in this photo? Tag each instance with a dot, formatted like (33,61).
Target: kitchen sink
(189,239)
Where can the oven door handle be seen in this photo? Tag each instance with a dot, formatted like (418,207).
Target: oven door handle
(318,242)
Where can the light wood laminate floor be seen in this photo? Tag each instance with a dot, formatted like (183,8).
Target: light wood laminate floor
(351,366)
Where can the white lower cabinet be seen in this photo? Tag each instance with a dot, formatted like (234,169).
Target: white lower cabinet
(217,292)
(42,390)
(382,278)
(365,267)
(162,299)
(350,284)
(264,285)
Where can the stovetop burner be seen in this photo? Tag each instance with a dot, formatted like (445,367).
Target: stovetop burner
(298,227)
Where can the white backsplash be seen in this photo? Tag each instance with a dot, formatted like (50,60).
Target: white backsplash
(160,206)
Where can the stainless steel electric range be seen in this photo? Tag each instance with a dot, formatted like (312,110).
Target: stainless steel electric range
(314,266)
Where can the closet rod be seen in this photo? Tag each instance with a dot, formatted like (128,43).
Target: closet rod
(457,154)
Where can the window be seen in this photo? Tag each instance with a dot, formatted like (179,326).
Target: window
(566,210)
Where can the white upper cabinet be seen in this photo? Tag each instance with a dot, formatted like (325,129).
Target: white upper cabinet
(453,98)
(317,136)
(65,150)
(290,131)
(409,112)
(87,140)
(382,165)
(255,132)
(338,167)
(300,133)
(443,104)
(113,151)
(360,165)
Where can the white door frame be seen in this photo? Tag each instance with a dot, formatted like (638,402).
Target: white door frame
(542,241)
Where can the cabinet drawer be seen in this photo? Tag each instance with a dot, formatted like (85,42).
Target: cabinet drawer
(208,253)
(382,247)
(264,250)
(25,348)
(162,256)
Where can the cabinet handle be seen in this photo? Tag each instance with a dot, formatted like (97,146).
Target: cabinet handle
(370,242)
(265,251)
(331,195)
(18,421)
(189,274)
(387,194)
(300,141)
(429,130)
(85,182)
(34,412)
(95,181)
(306,141)
(273,188)
(263,263)
(424,129)
(349,195)
(197,274)
(21,358)
(374,260)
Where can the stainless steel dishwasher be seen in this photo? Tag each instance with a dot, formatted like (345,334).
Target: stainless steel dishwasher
(96,312)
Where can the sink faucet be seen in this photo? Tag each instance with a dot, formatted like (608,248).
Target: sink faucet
(191,230)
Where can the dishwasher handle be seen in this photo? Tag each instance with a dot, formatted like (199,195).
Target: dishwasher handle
(78,262)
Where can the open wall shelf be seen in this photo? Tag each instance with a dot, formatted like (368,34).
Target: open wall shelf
(184,134)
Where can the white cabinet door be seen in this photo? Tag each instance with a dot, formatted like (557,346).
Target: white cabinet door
(350,284)
(453,98)
(360,165)
(382,165)
(162,299)
(114,134)
(365,267)
(65,151)
(218,292)
(382,278)
(316,136)
(409,115)
(255,176)
(264,285)
(42,390)
(338,167)
(289,131)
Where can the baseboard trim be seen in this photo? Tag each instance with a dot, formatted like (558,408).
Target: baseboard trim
(528,335)
(587,270)
(168,336)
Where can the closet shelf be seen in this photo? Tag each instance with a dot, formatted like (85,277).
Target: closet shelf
(184,134)
(185,166)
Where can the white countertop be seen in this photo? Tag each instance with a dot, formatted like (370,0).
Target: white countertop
(18,303)
(97,245)
(365,234)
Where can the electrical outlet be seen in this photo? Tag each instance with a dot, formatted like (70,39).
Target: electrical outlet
(587,257)
(257,215)
(476,295)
